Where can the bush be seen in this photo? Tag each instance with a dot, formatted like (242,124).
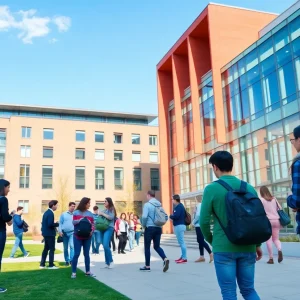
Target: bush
(290,239)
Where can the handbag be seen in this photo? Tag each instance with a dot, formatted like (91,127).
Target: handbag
(102,223)
(284,218)
(25,226)
(60,239)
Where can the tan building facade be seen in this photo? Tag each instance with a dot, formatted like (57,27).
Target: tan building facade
(65,154)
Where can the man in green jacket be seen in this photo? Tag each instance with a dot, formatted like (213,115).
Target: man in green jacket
(233,263)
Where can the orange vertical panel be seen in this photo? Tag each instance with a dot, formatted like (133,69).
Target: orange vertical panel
(165,94)
(180,79)
(199,64)
(231,30)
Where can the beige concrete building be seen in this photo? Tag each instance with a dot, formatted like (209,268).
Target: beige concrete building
(66,154)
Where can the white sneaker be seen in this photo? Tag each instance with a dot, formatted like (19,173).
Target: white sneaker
(53,268)
(111,266)
(41,267)
(106,266)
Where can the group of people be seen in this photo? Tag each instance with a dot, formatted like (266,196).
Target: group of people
(234,259)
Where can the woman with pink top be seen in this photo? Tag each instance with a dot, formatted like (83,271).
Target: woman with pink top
(271,206)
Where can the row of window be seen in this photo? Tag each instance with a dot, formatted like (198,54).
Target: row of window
(99,154)
(47,178)
(48,134)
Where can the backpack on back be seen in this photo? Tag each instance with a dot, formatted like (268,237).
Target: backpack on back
(188,218)
(160,216)
(84,228)
(247,222)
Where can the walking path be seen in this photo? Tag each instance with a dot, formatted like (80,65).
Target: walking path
(189,281)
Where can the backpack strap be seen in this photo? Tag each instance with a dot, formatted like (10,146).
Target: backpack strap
(224,184)
(243,188)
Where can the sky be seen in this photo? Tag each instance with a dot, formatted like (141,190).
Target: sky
(95,54)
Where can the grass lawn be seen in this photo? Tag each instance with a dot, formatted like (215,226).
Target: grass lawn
(26,281)
(34,249)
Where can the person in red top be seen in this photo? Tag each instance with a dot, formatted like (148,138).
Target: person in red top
(79,241)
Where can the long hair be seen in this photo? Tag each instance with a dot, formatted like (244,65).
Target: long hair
(111,206)
(3,184)
(82,204)
(266,194)
(123,214)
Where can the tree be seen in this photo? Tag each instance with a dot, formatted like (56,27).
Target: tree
(126,203)
(62,194)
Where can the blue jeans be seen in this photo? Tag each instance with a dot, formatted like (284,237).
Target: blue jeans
(179,232)
(131,238)
(152,234)
(2,244)
(236,267)
(86,245)
(105,239)
(137,237)
(68,241)
(96,242)
(18,243)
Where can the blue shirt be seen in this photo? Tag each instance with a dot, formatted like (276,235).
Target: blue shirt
(178,215)
(66,222)
(293,200)
(17,224)
(95,216)
(149,213)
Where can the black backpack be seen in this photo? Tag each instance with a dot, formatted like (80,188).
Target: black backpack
(84,228)
(247,220)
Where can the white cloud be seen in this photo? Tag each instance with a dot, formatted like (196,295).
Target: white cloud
(53,41)
(63,23)
(29,25)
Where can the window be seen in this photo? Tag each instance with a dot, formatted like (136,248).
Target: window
(99,178)
(25,205)
(80,178)
(47,175)
(26,132)
(99,154)
(153,140)
(47,152)
(48,134)
(118,174)
(153,156)
(25,151)
(135,139)
(2,137)
(45,205)
(137,179)
(100,205)
(136,156)
(287,81)
(80,136)
(118,138)
(80,153)
(118,155)
(24,176)
(154,175)
(99,137)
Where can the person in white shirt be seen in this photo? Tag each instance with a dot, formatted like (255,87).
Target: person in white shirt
(122,229)
(200,238)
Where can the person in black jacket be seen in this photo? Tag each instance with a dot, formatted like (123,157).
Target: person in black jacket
(5,218)
(49,233)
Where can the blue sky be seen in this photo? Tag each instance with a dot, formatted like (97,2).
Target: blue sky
(95,54)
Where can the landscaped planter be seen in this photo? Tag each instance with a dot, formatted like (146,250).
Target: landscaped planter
(288,249)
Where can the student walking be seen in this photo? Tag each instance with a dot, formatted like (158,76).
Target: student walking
(138,229)
(5,218)
(131,235)
(66,231)
(152,232)
(83,221)
(233,263)
(121,228)
(272,206)
(49,233)
(200,238)
(109,213)
(96,238)
(18,232)
(178,218)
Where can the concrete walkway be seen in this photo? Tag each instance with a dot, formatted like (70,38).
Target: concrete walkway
(189,281)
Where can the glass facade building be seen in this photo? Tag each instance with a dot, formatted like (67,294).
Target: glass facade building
(261,101)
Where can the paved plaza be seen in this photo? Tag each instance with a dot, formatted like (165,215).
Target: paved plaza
(189,281)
